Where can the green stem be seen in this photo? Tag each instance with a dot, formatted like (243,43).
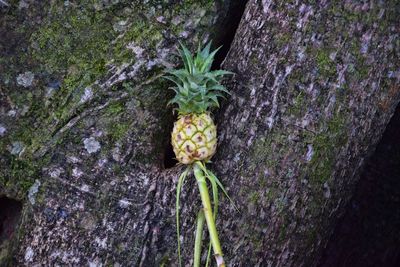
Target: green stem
(181,179)
(205,199)
(198,239)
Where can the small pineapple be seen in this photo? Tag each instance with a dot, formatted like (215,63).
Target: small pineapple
(194,137)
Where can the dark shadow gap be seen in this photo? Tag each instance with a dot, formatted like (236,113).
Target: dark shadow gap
(369,232)
(224,37)
(169,157)
(10,212)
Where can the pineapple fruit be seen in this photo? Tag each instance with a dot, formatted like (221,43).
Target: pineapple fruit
(194,137)
(197,88)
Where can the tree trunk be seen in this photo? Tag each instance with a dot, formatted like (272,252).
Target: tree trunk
(84,128)
(315,87)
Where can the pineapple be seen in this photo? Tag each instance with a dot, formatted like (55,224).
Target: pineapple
(194,137)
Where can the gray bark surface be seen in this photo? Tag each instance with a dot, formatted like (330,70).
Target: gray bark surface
(314,90)
(84,126)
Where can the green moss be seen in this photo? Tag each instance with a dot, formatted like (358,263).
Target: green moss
(74,45)
(325,64)
(118,131)
(71,44)
(272,193)
(254,197)
(326,145)
(77,42)
(254,59)
(165,261)
(188,4)
(282,232)
(262,152)
(5,255)
(282,38)
(360,69)
(115,108)
(19,176)
(140,33)
(77,37)
(298,106)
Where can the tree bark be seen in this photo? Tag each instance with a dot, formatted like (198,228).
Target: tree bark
(84,126)
(316,85)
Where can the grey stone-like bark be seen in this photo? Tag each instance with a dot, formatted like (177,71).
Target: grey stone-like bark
(84,126)
(315,86)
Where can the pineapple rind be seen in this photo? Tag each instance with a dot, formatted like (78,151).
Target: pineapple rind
(194,137)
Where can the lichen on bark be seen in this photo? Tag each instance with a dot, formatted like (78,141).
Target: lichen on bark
(83,112)
(304,113)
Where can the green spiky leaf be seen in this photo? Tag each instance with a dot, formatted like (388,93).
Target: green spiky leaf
(197,89)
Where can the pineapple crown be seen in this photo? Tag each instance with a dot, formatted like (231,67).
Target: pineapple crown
(197,86)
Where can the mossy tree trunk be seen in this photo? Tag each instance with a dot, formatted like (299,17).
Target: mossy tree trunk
(83,126)
(316,85)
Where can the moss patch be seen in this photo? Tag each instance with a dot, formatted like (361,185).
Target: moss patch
(19,176)
(326,66)
(326,146)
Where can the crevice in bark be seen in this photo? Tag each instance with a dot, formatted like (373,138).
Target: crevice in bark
(169,157)
(169,160)
(224,37)
(10,212)
(369,232)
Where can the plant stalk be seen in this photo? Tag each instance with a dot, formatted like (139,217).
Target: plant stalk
(212,229)
(198,239)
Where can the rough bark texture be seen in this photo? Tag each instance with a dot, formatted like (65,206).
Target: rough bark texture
(315,86)
(84,126)
(369,232)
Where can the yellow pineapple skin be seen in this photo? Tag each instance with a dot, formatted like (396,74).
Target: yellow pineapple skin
(194,138)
